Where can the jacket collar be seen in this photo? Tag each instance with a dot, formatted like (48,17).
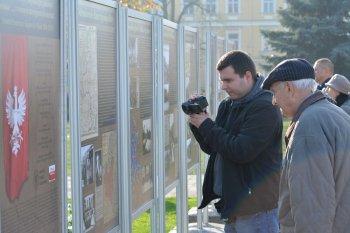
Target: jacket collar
(313,98)
(323,85)
(254,92)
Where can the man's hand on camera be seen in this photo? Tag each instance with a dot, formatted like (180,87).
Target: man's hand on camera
(197,119)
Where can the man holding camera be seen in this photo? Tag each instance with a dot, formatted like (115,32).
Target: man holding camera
(244,144)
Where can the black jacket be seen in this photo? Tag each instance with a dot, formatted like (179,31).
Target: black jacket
(248,137)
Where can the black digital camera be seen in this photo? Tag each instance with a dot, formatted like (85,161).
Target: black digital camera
(195,106)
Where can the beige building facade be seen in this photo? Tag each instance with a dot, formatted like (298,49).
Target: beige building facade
(239,21)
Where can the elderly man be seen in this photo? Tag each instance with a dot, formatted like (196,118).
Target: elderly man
(324,69)
(314,189)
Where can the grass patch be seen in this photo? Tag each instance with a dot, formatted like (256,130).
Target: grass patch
(143,223)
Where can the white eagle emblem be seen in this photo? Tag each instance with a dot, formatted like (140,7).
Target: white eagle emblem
(15,111)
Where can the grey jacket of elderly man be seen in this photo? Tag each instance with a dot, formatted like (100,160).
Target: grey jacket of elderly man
(315,182)
(346,106)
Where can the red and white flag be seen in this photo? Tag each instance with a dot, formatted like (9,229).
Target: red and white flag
(15,119)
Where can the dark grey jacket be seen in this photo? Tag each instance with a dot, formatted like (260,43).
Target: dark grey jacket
(248,137)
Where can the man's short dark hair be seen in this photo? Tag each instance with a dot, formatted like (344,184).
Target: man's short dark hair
(239,61)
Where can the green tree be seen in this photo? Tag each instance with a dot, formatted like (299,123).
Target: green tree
(312,29)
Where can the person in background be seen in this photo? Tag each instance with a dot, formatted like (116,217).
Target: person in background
(244,144)
(314,189)
(324,69)
(338,88)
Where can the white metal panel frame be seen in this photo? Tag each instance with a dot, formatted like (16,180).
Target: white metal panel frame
(194,30)
(157,208)
(196,168)
(176,183)
(181,192)
(118,111)
(124,121)
(158,103)
(199,165)
(208,92)
(77,209)
(172,25)
(109,3)
(63,105)
(214,75)
(152,205)
(139,15)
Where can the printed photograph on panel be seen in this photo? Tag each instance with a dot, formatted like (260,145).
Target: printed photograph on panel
(146,136)
(141,163)
(175,126)
(134,66)
(109,170)
(135,139)
(133,51)
(188,143)
(166,57)
(188,67)
(87,66)
(171,127)
(169,161)
(168,129)
(171,149)
(166,88)
(135,93)
(87,164)
(89,213)
(98,167)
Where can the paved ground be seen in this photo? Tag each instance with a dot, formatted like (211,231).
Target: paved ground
(210,228)
(214,226)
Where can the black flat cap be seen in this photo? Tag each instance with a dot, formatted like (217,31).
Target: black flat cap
(290,70)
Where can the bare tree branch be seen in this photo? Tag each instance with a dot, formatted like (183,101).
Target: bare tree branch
(187,6)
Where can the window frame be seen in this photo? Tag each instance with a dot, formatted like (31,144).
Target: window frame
(228,2)
(212,3)
(273,7)
(239,39)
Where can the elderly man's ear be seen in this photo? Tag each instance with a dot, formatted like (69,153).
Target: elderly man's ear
(289,87)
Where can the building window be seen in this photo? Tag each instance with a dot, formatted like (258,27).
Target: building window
(190,9)
(268,6)
(210,6)
(233,6)
(235,39)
